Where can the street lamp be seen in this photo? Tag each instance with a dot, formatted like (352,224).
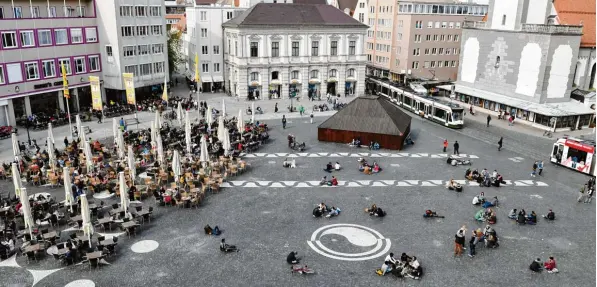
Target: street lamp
(27,124)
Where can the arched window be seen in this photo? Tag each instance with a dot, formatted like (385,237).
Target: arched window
(314,74)
(350,73)
(294,75)
(254,76)
(497,61)
(333,73)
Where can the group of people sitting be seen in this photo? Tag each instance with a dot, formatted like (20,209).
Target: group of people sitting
(487,235)
(322,209)
(453,185)
(366,168)
(375,211)
(480,200)
(486,215)
(329,167)
(549,265)
(212,231)
(289,164)
(405,267)
(485,178)
(522,217)
(332,182)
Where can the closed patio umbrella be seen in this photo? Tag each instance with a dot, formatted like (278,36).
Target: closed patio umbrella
(124,201)
(158,120)
(86,216)
(16,151)
(27,215)
(88,156)
(160,150)
(204,157)
(68,193)
(131,163)
(176,166)
(51,155)
(223,108)
(221,127)
(208,116)
(226,142)
(179,114)
(120,145)
(115,128)
(16,180)
(252,113)
(240,124)
(50,132)
(187,132)
(79,129)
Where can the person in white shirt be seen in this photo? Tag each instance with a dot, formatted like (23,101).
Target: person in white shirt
(391,258)
(337,166)
(293,163)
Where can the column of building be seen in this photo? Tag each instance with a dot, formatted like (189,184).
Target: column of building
(285,82)
(305,82)
(265,80)
(242,84)
(341,78)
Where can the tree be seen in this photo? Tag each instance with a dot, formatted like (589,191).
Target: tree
(175,56)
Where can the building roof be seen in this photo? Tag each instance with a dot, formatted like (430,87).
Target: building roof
(569,108)
(350,4)
(369,114)
(205,2)
(269,14)
(575,12)
(311,2)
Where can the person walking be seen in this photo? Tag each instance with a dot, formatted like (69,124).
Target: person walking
(488,120)
(500,142)
(458,242)
(540,167)
(284,121)
(472,243)
(301,110)
(311,116)
(456,147)
(65,142)
(534,172)
(581,193)
(445,144)
(99,117)
(589,196)
(276,108)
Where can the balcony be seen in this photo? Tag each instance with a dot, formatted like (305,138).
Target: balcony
(474,25)
(552,29)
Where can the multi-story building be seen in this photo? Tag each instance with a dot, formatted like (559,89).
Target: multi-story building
(175,14)
(133,38)
(205,38)
(361,11)
(36,38)
(298,50)
(519,63)
(418,38)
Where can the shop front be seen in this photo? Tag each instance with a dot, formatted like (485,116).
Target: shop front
(274,90)
(294,89)
(331,86)
(254,90)
(314,89)
(218,84)
(350,86)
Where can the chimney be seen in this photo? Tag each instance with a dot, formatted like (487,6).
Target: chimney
(236,3)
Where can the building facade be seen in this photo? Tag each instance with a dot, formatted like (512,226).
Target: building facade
(133,37)
(418,39)
(518,63)
(305,50)
(37,37)
(205,38)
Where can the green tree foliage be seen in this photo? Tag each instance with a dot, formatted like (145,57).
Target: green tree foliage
(175,56)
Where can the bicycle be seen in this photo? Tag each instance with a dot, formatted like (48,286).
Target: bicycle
(547,134)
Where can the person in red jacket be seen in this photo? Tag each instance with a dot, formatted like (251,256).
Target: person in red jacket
(550,265)
(334,181)
(445,144)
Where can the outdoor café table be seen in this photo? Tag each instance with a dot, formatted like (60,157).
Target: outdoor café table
(76,218)
(33,248)
(107,242)
(128,225)
(103,221)
(94,255)
(116,211)
(83,238)
(50,235)
(93,206)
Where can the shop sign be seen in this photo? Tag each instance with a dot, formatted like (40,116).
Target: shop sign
(129,86)
(96,94)
(255,84)
(314,81)
(45,85)
(295,81)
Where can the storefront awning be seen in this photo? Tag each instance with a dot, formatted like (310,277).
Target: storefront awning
(206,79)
(218,79)
(351,79)
(570,108)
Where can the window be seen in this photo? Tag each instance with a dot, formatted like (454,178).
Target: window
(14,73)
(18,13)
(446,63)
(437,24)
(68,11)
(216,49)
(126,11)
(418,24)
(448,52)
(143,50)
(91,34)
(350,73)
(399,36)
(315,48)
(428,38)
(155,11)
(444,24)
(228,15)
(81,11)
(203,33)
(294,75)
(158,67)
(442,37)
(80,66)
(27,39)
(456,38)
(216,67)
(157,48)
(254,49)
(457,25)
(128,51)
(67,67)
(504,19)
(449,38)
(275,75)
(204,50)
(141,11)
(453,64)
(333,73)
(127,31)
(145,69)
(9,40)
(94,63)
(52,12)
(254,76)
(76,35)
(132,69)
(352,47)
(426,64)
(34,11)
(142,30)
(235,48)
(44,37)
(362,17)
(361,5)
(434,51)
(451,25)
(156,30)
(109,51)
(275,49)
(334,48)
(32,71)
(295,49)
(429,25)
(435,38)
(415,65)
(49,68)
(426,51)
(203,15)
(314,74)
(441,51)
(205,68)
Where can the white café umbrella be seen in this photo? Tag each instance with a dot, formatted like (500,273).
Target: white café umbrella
(160,150)
(158,120)
(51,155)
(253,113)
(27,215)
(176,165)
(68,193)
(154,141)
(120,144)
(187,132)
(16,151)
(240,124)
(223,108)
(86,216)
(124,202)
(78,121)
(16,180)
(208,116)
(204,157)
(220,133)
(88,156)
(131,163)
(226,142)
(50,132)
(115,128)
(82,136)
(179,113)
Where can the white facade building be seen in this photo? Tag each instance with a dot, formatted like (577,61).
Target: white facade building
(134,39)
(204,38)
(299,50)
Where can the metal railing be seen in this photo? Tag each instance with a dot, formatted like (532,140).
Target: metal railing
(474,24)
(552,29)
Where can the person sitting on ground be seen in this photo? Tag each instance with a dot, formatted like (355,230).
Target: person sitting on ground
(532,218)
(286,163)
(337,166)
(371,209)
(417,270)
(494,174)
(453,185)
(366,169)
(334,212)
(208,230)
(550,215)
(512,214)
(385,268)
(226,247)
(376,168)
(536,265)
(377,211)
(491,216)
(475,174)
(405,259)
(328,167)
(334,181)
(391,258)
(521,218)
(550,265)
(322,207)
(430,213)
(493,202)
(293,163)
(480,215)
(324,180)
(292,258)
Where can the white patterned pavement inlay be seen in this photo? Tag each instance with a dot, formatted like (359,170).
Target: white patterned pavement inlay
(372,183)
(80,283)
(355,155)
(145,246)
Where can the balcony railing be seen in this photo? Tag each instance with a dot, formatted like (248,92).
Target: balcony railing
(552,29)
(474,24)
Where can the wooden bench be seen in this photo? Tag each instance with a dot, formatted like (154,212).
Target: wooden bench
(132,121)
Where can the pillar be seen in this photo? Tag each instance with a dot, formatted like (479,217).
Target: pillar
(76,105)
(61,101)
(27,106)
(103,91)
(577,121)
(11,114)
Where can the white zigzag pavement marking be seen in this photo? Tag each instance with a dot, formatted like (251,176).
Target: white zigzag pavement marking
(372,183)
(355,155)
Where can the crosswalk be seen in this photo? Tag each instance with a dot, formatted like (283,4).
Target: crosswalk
(372,183)
(355,155)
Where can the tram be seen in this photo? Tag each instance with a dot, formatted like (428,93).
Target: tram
(435,109)
(574,153)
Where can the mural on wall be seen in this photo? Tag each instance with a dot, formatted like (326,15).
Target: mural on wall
(560,72)
(496,65)
(469,64)
(528,70)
